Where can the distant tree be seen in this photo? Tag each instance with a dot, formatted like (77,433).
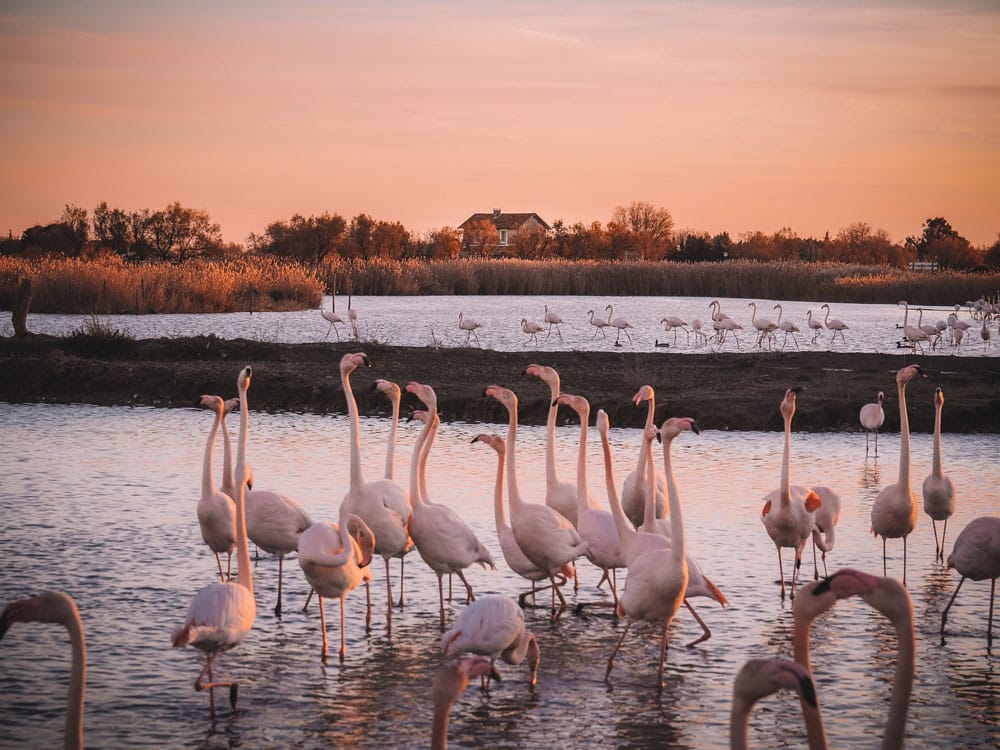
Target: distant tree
(643,230)
(51,239)
(177,233)
(954,252)
(389,240)
(76,219)
(111,229)
(859,243)
(443,244)
(308,241)
(479,237)
(756,245)
(991,257)
(357,241)
(529,244)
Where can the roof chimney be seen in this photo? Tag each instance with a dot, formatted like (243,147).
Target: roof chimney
(496,213)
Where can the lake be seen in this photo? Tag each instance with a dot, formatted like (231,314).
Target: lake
(100,502)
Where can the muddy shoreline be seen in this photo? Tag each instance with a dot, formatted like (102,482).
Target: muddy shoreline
(722,391)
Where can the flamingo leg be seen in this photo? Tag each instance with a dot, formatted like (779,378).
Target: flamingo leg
(904,561)
(229,566)
(943,532)
(402,565)
(663,651)
(277,607)
(562,600)
(706,633)
(305,606)
(388,589)
(944,615)
(611,659)
(343,645)
(876,443)
(937,549)
(989,622)
(469,596)
(322,627)
(815,566)
(441,598)
(781,573)
(368,615)
(884,573)
(218,561)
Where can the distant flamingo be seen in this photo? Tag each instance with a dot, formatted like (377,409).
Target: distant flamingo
(493,626)
(764,326)
(938,490)
(976,555)
(789,512)
(332,317)
(531,328)
(449,683)
(469,326)
(913,334)
(216,510)
(984,333)
(334,559)
(757,679)
(599,324)
(835,325)
(620,323)
(558,494)
(672,323)
(553,320)
(815,325)
(221,614)
(889,598)
(788,327)
(55,607)
(894,512)
(933,334)
(352,318)
(699,334)
(725,326)
(545,536)
(872,416)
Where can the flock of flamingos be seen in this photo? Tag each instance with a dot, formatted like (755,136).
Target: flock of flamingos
(641,533)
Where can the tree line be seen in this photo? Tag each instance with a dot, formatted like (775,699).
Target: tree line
(639,231)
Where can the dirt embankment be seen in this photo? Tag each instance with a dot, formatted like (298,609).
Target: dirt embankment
(722,391)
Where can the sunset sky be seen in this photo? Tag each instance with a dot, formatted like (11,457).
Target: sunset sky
(735,116)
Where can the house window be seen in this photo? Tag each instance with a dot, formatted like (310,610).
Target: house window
(503,236)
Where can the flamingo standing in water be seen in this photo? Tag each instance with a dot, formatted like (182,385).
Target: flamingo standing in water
(216,509)
(334,319)
(915,335)
(815,325)
(835,325)
(938,489)
(976,555)
(599,324)
(789,512)
(620,323)
(872,416)
(57,608)
(531,328)
(449,683)
(469,326)
(221,614)
(672,323)
(894,512)
(757,679)
(558,494)
(788,327)
(764,326)
(553,320)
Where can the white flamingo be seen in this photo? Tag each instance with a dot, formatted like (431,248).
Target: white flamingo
(872,416)
(512,554)
(931,329)
(634,487)
(699,334)
(894,512)
(835,325)
(334,319)
(531,328)
(789,512)
(553,320)
(469,326)
(888,597)
(221,614)
(545,536)
(976,555)
(216,510)
(620,323)
(815,325)
(725,326)
(57,608)
(558,494)
(449,682)
(382,504)
(334,558)
(913,334)
(596,525)
(493,626)
(765,327)
(788,327)
(757,679)
(444,541)
(599,324)
(938,489)
(672,323)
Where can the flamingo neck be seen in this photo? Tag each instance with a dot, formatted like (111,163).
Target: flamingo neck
(357,478)
(649,486)
(242,544)
(73,737)
(936,462)
(904,439)
(906,315)
(812,715)
(676,518)
(551,473)
(739,723)
(228,483)
(207,480)
(826,320)
(785,496)
(581,465)
(415,499)
(902,684)
(513,489)
(425,452)
(439,729)
(614,500)
(499,516)
(390,453)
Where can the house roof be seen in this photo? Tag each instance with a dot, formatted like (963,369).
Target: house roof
(505,221)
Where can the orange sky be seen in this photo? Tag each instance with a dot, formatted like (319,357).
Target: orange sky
(733,115)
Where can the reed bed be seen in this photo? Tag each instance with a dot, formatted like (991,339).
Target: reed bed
(109,285)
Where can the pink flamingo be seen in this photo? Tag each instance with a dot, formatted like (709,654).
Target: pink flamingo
(938,489)
(449,683)
(757,679)
(976,555)
(216,509)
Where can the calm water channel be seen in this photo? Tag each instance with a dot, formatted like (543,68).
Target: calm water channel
(100,502)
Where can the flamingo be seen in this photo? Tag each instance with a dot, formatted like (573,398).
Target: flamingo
(976,555)
(382,504)
(634,488)
(938,490)
(334,558)
(449,683)
(221,614)
(815,325)
(916,336)
(929,328)
(545,536)
(656,584)
(352,318)
(620,323)
(984,333)
(469,326)
(274,523)
(333,319)
(699,334)
(596,525)
(764,326)
(894,512)
(888,597)
(444,541)
(512,554)
(835,325)
(757,679)
(493,626)
(599,324)
(57,608)
(558,494)
(553,320)
(672,323)
(827,517)
(531,328)
(872,416)
(724,326)
(789,512)
(216,510)
(788,327)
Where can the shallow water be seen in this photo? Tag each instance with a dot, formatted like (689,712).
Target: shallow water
(433,320)
(100,502)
